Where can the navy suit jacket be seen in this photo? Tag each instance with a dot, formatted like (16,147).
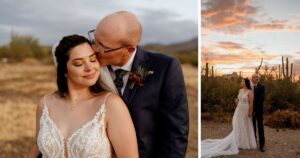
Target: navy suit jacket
(259,97)
(159,109)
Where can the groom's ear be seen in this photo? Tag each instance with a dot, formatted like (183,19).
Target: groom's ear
(130,49)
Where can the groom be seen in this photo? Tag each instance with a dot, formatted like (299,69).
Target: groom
(258,104)
(151,85)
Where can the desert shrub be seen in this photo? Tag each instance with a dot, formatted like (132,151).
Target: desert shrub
(219,93)
(4,51)
(284,119)
(187,58)
(282,94)
(21,47)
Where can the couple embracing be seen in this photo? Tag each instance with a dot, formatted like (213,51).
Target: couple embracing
(247,117)
(114,99)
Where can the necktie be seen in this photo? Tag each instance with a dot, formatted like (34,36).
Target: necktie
(119,80)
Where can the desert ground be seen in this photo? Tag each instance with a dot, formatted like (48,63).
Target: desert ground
(280,143)
(21,86)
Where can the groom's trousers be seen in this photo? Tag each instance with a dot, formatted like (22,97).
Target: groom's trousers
(258,123)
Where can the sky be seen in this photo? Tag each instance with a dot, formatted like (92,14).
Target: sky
(165,22)
(236,34)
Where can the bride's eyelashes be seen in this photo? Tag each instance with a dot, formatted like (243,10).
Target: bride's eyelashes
(93,58)
(78,64)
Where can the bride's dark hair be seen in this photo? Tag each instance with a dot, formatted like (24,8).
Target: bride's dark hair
(62,53)
(247,83)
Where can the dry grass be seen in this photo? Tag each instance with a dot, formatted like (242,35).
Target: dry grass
(284,119)
(22,84)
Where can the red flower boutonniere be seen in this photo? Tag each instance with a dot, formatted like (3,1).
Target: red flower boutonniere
(138,77)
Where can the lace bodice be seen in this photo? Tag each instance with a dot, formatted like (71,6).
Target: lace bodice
(89,141)
(243,97)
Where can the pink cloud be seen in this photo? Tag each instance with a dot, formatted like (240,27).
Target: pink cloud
(239,16)
(229,16)
(248,56)
(230,45)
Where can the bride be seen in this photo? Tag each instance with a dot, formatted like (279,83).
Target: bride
(80,120)
(242,135)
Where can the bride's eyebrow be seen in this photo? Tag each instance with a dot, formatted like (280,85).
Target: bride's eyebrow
(82,58)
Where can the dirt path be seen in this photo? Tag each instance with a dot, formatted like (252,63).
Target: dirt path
(283,143)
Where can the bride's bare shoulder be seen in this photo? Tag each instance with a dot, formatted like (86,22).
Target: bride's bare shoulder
(250,92)
(114,102)
(45,99)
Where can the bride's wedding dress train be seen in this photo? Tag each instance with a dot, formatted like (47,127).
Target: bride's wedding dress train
(242,135)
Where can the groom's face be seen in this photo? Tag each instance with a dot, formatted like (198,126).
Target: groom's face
(110,51)
(255,79)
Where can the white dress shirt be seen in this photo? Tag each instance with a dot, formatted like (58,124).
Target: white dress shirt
(252,85)
(126,67)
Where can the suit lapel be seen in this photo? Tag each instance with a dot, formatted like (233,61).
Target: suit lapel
(139,61)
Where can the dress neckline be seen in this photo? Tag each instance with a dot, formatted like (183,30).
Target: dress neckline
(83,126)
(67,139)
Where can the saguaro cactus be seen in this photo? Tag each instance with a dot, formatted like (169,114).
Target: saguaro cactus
(285,69)
(206,70)
(280,74)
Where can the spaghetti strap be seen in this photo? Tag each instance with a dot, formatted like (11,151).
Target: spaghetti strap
(106,98)
(45,102)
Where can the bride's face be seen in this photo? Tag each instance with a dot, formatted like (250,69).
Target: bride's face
(243,84)
(82,66)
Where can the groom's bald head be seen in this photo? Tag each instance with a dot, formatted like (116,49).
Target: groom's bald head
(123,27)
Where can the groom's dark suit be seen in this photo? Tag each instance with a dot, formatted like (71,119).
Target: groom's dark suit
(259,96)
(159,109)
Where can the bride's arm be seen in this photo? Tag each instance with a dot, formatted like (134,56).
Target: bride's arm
(120,128)
(34,151)
(237,99)
(251,97)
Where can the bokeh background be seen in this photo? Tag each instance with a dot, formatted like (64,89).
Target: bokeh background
(28,29)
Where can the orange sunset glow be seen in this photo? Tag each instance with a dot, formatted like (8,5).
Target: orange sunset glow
(236,34)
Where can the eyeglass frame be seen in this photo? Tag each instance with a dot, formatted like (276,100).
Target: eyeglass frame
(94,42)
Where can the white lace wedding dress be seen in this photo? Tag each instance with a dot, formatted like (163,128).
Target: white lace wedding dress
(89,141)
(242,135)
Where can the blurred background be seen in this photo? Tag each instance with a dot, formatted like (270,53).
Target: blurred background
(28,29)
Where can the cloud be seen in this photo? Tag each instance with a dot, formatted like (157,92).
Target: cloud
(228,16)
(230,45)
(166,27)
(50,20)
(274,25)
(239,16)
(213,55)
(216,58)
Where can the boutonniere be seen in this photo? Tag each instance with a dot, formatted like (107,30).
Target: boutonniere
(138,76)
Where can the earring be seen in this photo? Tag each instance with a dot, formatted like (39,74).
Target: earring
(66,75)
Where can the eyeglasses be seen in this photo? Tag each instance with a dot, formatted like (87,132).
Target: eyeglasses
(99,47)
